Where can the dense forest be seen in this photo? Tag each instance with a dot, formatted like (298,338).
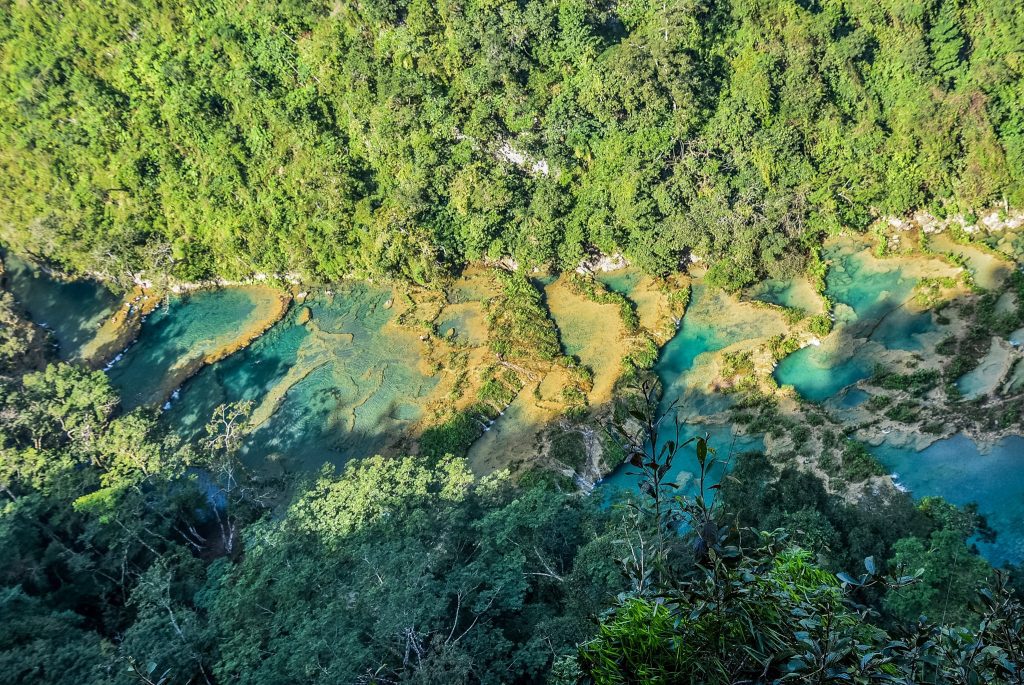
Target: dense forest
(407,138)
(131,557)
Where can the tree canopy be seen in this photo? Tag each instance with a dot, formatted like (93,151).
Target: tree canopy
(407,138)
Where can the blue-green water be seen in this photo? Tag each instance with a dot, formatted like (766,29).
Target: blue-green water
(456,325)
(818,373)
(185,328)
(685,469)
(622,281)
(701,331)
(957,471)
(853,397)
(870,298)
(338,386)
(872,320)
(346,384)
(72,310)
(876,292)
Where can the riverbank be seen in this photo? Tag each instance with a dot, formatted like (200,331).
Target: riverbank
(613,323)
(166,339)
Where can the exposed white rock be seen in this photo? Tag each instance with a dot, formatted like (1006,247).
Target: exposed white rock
(602,263)
(507,263)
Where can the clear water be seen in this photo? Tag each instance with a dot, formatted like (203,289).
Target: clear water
(347,384)
(588,330)
(988,270)
(185,328)
(870,297)
(958,471)
(872,320)
(853,397)
(1009,242)
(685,469)
(818,373)
(463,322)
(704,329)
(795,293)
(623,281)
(876,291)
(72,310)
(985,377)
(339,386)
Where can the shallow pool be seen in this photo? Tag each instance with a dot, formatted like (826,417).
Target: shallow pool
(958,471)
(180,332)
(72,310)
(342,384)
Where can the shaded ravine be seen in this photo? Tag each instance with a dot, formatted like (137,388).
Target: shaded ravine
(337,377)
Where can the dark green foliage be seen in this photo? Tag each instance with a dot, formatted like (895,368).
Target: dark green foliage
(749,607)
(454,436)
(570,449)
(403,557)
(641,357)
(21,342)
(857,462)
(782,346)
(840,533)
(950,575)
(904,412)
(878,402)
(41,644)
(947,346)
(917,383)
(127,549)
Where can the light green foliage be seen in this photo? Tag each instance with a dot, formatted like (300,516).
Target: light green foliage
(738,371)
(782,346)
(405,138)
(375,488)
(63,402)
(641,357)
(928,293)
(594,290)
(820,324)
(519,323)
(18,337)
(651,643)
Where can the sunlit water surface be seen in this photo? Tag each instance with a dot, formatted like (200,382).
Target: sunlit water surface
(345,383)
(342,384)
